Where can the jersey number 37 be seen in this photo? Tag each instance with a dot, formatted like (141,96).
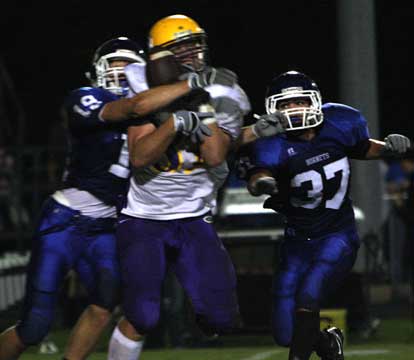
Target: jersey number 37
(315,194)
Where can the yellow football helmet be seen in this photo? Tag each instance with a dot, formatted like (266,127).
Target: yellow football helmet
(182,36)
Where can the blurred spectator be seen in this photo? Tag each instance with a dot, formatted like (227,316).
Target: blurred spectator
(6,172)
(12,124)
(12,214)
(12,117)
(399,179)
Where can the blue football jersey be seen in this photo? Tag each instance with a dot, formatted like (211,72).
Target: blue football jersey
(314,176)
(98,159)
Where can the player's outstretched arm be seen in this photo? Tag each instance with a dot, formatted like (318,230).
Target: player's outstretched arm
(393,144)
(145,102)
(265,126)
(158,97)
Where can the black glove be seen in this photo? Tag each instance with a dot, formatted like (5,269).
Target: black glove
(264,185)
(242,167)
(212,76)
(190,124)
(270,124)
(397,143)
(267,185)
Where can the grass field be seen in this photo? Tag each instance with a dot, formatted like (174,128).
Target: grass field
(393,341)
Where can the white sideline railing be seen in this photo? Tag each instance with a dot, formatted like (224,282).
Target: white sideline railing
(12,278)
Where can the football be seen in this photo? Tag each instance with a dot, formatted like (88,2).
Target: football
(162,67)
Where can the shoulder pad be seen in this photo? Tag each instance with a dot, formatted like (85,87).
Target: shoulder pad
(235,93)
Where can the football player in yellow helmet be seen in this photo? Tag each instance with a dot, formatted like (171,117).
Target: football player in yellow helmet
(184,37)
(216,311)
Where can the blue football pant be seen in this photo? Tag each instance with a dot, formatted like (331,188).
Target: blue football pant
(309,270)
(66,240)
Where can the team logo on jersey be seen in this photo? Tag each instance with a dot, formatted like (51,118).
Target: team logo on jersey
(208,219)
(291,151)
(317,158)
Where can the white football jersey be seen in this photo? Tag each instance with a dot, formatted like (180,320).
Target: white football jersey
(180,185)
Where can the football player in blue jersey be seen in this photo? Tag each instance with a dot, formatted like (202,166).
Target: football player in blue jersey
(76,227)
(306,172)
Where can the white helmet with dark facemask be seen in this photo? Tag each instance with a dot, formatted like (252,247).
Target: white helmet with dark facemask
(113,78)
(291,86)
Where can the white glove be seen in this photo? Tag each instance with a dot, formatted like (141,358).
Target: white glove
(397,143)
(190,123)
(270,124)
(211,76)
(137,80)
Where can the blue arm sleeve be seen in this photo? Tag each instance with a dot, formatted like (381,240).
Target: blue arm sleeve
(257,156)
(266,154)
(359,144)
(84,105)
(353,128)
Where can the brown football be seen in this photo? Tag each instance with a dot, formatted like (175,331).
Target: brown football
(162,67)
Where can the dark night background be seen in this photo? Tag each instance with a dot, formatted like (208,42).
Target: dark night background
(47,48)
